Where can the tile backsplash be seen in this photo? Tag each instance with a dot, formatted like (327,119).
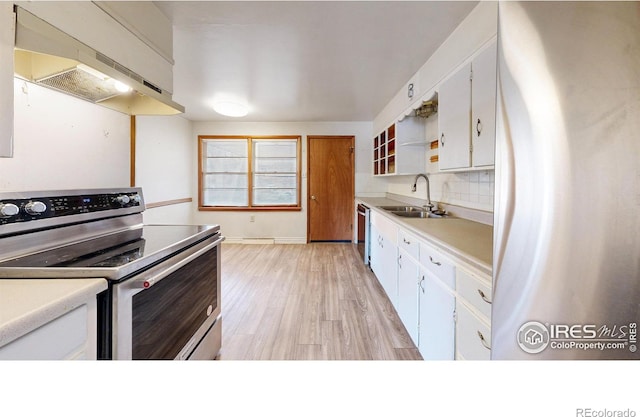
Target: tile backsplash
(473,189)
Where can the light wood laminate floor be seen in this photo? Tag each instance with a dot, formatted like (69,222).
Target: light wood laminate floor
(315,301)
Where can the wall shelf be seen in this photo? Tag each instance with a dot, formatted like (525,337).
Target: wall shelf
(393,148)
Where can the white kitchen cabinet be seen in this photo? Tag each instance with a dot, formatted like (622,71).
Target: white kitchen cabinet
(438,264)
(444,302)
(65,337)
(408,277)
(49,319)
(384,264)
(466,114)
(437,305)
(483,107)
(473,311)
(475,290)
(384,253)
(400,149)
(454,119)
(375,252)
(436,340)
(7,30)
(473,334)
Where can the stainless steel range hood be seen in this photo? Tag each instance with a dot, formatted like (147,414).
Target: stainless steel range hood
(49,57)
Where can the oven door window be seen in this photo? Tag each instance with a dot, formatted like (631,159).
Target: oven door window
(167,314)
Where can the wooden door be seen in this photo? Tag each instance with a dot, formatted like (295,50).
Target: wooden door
(330,188)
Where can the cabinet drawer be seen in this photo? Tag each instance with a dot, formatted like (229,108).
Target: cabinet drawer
(474,291)
(436,263)
(409,243)
(473,336)
(385,227)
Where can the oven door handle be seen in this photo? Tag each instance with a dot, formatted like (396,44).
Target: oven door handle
(149,282)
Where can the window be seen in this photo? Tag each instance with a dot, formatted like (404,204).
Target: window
(252,173)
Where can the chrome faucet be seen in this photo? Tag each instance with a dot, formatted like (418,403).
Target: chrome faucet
(429,205)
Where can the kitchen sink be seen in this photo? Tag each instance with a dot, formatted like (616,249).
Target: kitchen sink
(423,214)
(408,209)
(414,211)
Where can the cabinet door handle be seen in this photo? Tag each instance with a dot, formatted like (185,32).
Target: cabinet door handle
(434,262)
(406,241)
(420,284)
(479,127)
(400,261)
(483,340)
(442,139)
(484,297)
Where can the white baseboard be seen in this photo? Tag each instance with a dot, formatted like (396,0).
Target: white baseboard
(266,241)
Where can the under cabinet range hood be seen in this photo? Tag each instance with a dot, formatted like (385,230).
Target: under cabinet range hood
(49,57)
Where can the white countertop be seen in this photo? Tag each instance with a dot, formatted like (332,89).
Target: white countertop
(466,240)
(26,304)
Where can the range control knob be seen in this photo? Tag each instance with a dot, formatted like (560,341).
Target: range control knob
(123,199)
(8,210)
(35,207)
(136,198)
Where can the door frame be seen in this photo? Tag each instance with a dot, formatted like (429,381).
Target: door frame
(353,175)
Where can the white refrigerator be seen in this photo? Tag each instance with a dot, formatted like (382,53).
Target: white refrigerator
(567,208)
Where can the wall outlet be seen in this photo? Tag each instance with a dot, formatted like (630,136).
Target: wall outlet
(252,218)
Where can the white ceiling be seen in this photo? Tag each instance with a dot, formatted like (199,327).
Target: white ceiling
(303,60)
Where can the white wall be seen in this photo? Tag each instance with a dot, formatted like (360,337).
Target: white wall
(165,153)
(475,31)
(62,142)
(470,189)
(285,227)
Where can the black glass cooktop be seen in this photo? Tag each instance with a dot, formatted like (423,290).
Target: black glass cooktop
(118,249)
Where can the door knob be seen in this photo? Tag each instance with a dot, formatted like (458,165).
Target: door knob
(313,197)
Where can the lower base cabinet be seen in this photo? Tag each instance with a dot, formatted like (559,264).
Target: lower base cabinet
(384,262)
(68,337)
(436,339)
(444,304)
(408,296)
(473,335)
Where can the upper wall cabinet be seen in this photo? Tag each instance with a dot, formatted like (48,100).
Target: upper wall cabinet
(454,120)
(483,107)
(400,149)
(466,114)
(7,30)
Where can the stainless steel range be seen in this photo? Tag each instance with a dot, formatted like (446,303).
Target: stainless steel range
(163,297)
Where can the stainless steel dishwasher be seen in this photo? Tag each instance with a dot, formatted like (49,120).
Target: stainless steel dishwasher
(363,232)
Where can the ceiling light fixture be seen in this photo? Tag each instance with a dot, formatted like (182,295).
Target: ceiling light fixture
(231,109)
